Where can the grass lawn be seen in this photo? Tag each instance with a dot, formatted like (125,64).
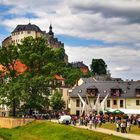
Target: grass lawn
(112,126)
(43,130)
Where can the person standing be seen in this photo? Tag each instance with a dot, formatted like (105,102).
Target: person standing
(129,125)
(90,123)
(95,122)
(117,126)
(138,120)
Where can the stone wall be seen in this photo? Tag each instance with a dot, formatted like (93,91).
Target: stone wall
(13,122)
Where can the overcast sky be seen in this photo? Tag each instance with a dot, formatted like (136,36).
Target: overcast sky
(107,29)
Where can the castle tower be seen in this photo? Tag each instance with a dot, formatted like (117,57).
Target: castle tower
(51,34)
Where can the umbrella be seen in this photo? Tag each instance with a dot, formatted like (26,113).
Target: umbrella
(107,111)
(117,111)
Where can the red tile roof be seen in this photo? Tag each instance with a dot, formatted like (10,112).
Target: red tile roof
(21,68)
(2,68)
(58,77)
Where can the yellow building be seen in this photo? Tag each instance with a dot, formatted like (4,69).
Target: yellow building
(122,94)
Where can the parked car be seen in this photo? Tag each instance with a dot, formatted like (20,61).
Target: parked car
(65,119)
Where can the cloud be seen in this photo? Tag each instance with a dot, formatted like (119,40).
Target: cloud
(91,21)
(121,61)
(113,22)
(123,68)
(128,9)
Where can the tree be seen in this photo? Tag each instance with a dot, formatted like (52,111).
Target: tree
(71,75)
(42,64)
(56,102)
(10,85)
(98,67)
(29,90)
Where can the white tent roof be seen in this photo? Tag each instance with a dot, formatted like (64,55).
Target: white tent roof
(128,111)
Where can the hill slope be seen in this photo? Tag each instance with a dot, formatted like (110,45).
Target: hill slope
(43,130)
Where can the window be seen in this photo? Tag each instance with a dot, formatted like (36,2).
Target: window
(94,101)
(114,102)
(77,103)
(61,90)
(88,91)
(115,92)
(77,112)
(28,32)
(21,32)
(108,103)
(137,92)
(101,101)
(137,102)
(121,103)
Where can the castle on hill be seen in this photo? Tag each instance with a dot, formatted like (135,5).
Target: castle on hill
(23,31)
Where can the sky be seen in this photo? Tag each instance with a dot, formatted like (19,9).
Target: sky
(107,29)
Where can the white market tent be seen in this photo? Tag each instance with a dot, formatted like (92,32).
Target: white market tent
(128,111)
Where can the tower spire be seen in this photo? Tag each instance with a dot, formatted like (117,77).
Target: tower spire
(50,30)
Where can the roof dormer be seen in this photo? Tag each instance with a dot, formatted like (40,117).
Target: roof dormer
(138,92)
(115,91)
(92,91)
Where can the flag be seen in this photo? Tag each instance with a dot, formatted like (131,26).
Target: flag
(97,104)
(83,102)
(103,102)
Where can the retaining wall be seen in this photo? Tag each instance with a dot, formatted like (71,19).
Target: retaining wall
(13,122)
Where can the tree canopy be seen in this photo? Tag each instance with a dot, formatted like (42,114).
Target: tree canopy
(30,90)
(56,102)
(98,67)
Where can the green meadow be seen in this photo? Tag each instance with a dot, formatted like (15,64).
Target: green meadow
(43,130)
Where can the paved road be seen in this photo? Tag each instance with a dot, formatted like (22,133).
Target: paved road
(107,131)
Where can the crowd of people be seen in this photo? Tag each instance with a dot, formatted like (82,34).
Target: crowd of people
(123,122)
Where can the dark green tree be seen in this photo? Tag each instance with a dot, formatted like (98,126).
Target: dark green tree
(31,89)
(98,67)
(56,102)
(42,64)
(10,90)
(71,75)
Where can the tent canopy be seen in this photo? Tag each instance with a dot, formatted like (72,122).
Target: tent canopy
(127,111)
(117,111)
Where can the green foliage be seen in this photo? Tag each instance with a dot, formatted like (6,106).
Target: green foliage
(32,88)
(71,75)
(8,57)
(42,63)
(10,85)
(56,102)
(36,91)
(98,67)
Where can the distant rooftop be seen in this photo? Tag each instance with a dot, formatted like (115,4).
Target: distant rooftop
(78,64)
(28,27)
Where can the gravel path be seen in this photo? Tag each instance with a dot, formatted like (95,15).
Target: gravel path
(110,132)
